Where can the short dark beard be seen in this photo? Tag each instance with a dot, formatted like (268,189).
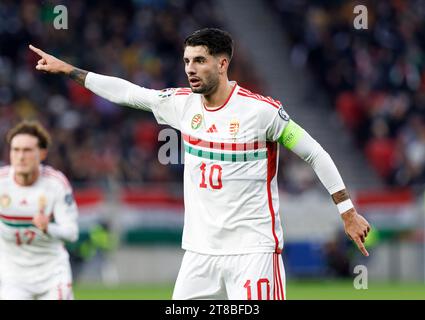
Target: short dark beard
(208,88)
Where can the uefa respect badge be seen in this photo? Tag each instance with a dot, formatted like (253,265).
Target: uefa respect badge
(283,114)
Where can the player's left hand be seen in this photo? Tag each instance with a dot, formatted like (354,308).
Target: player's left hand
(357,228)
(49,63)
(41,221)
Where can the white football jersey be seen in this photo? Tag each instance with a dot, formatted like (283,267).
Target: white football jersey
(28,254)
(231,161)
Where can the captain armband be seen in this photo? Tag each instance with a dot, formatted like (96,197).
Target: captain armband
(291,135)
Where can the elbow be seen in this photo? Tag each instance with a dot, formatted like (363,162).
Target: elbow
(73,238)
(317,153)
(73,235)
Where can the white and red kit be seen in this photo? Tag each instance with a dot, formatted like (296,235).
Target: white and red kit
(35,265)
(230,186)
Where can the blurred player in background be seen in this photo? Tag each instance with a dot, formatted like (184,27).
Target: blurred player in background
(37,213)
(232,231)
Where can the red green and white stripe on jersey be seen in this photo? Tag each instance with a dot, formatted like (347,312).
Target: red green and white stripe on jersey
(16,222)
(225,151)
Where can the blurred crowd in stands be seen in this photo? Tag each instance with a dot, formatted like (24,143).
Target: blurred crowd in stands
(140,41)
(374,77)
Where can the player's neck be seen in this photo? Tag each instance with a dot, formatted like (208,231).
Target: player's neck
(220,96)
(26,179)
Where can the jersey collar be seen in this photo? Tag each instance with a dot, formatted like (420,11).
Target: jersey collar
(235,89)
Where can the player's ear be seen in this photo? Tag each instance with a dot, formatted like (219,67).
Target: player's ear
(43,154)
(223,64)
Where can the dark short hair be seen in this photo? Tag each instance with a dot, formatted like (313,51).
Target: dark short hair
(33,128)
(217,41)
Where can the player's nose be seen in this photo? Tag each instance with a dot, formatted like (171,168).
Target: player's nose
(190,70)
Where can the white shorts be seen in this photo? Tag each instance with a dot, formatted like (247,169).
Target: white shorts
(254,276)
(58,287)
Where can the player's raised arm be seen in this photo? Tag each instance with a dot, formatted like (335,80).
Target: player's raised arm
(114,89)
(301,143)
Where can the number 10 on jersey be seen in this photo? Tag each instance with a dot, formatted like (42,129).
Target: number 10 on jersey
(214,174)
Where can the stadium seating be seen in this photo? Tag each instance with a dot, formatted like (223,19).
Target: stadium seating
(374,75)
(140,41)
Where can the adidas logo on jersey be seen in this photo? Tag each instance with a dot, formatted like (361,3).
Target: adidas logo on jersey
(212,129)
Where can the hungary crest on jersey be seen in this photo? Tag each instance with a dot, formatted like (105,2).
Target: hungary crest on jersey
(234,128)
(196,121)
(5,200)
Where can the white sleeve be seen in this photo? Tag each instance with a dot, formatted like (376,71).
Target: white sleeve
(280,120)
(65,213)
(160,102)
(121,91)
(312,152)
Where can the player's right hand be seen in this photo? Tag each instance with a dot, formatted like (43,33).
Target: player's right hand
(357,228)
(50,63)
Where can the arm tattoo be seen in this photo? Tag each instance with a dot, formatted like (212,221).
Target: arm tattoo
(340,196)
(78,75)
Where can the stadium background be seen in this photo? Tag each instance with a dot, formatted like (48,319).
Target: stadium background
(360,93)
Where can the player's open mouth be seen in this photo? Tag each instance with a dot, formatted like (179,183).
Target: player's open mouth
(195,82)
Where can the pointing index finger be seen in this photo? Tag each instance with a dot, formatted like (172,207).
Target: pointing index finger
(362,247)
(41,53)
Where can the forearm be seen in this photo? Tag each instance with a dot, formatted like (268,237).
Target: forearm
(328,174)
(114,89)
(326,170)
(78,75)
(67,232)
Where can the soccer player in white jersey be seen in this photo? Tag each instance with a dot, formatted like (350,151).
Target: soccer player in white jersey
(232,231)
(37,213)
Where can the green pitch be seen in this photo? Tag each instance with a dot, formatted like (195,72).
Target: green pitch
(296,290)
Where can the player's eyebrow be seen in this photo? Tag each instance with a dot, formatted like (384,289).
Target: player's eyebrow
(196,58)
(200,58)
(22,148)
